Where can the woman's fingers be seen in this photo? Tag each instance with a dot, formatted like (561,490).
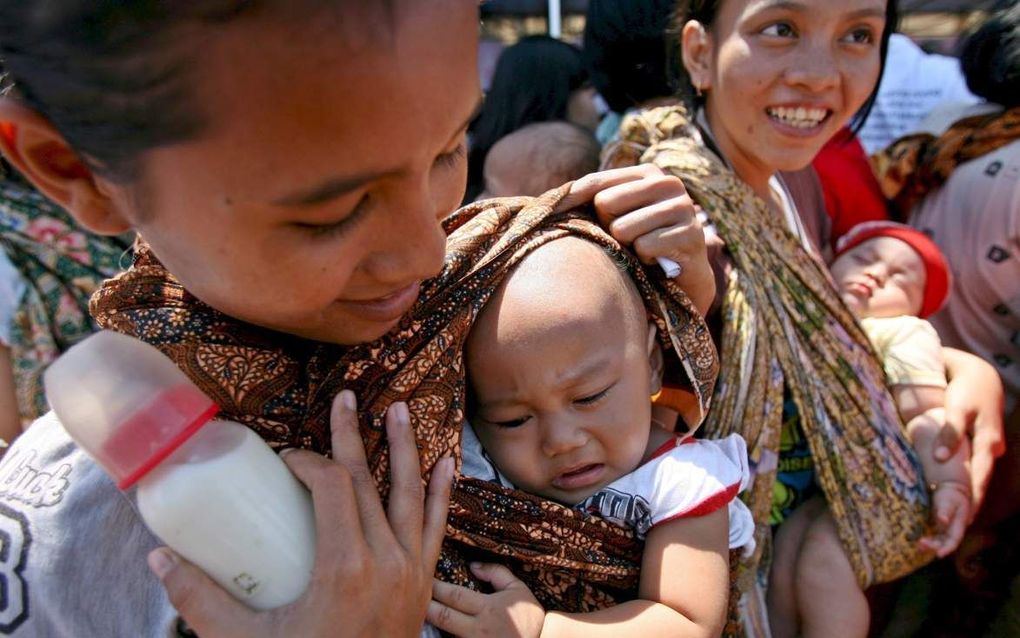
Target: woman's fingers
(583,191)
(657,216)
(349,451)
(338,527)
(406,493)
(988,445)
(205,606)
(661,192)
(437,506)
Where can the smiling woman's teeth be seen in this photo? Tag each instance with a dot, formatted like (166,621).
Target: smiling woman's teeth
(799,117)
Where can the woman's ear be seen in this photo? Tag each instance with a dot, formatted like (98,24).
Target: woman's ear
(656,363)
(696,50)
(41,154)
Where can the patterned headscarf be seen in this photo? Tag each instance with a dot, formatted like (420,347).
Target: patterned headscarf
(914,165)
(785,327)
(282,386)
(61,266)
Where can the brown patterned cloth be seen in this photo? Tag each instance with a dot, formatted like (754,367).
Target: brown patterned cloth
(282,386)
(914,165)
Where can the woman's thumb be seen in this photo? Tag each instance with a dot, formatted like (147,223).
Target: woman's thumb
(207,608)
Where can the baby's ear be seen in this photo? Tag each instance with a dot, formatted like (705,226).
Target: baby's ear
(656,363)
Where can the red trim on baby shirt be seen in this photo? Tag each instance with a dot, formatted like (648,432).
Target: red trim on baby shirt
(712,503)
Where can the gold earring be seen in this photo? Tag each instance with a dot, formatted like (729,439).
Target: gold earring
(697,90)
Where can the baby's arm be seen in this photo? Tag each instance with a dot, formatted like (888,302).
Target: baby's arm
(921,408)
(684,586)
(683,592)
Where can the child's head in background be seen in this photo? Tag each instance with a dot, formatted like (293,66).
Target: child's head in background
(885,269)
(538,157)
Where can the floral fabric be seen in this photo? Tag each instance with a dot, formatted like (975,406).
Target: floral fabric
(62,266)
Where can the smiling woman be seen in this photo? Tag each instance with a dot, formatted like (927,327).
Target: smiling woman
(770,82)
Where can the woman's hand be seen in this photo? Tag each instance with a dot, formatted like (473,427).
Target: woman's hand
(651,213)
(974,409)
(373,567)
(511,611)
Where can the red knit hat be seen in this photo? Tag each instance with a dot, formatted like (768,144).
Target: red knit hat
(936,285)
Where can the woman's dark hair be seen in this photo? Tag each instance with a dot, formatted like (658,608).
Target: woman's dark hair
(114,76)
(704,11)
(107,74)
(990,57)
(532,82)
(629,51)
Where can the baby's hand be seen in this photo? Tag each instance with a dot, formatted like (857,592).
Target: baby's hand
(651,213)
(950,508)
(511,611)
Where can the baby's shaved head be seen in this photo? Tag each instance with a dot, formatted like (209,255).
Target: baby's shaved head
(566,285)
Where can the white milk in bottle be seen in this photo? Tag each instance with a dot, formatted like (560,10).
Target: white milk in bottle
(211,490)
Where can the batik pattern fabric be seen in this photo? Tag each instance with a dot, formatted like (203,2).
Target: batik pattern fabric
(784,329)
(282,387)
(916,164)
(62,266)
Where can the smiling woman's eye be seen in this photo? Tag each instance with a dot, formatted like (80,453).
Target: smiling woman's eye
(780,30)
(860,35)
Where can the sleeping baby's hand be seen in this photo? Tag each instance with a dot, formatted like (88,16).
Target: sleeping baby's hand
(950,512)
(511,610)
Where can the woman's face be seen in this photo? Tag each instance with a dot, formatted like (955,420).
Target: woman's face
(781,77)
(312,204)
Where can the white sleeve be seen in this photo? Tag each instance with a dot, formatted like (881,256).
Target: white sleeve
(700,476)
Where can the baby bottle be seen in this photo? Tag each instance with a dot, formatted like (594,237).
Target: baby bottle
(212,490)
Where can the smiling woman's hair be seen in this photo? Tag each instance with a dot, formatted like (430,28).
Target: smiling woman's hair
(705,11)
(629,50)
(113,76)
(990,57)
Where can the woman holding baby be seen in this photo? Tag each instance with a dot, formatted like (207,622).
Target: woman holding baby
(288,183)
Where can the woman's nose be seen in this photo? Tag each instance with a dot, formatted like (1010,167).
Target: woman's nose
(815,68)
(412,246)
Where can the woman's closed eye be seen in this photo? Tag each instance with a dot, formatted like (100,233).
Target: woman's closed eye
(339,227)
(453,158)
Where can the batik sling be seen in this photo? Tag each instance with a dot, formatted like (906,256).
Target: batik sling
(282,387)
(916,164)
(785,327)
